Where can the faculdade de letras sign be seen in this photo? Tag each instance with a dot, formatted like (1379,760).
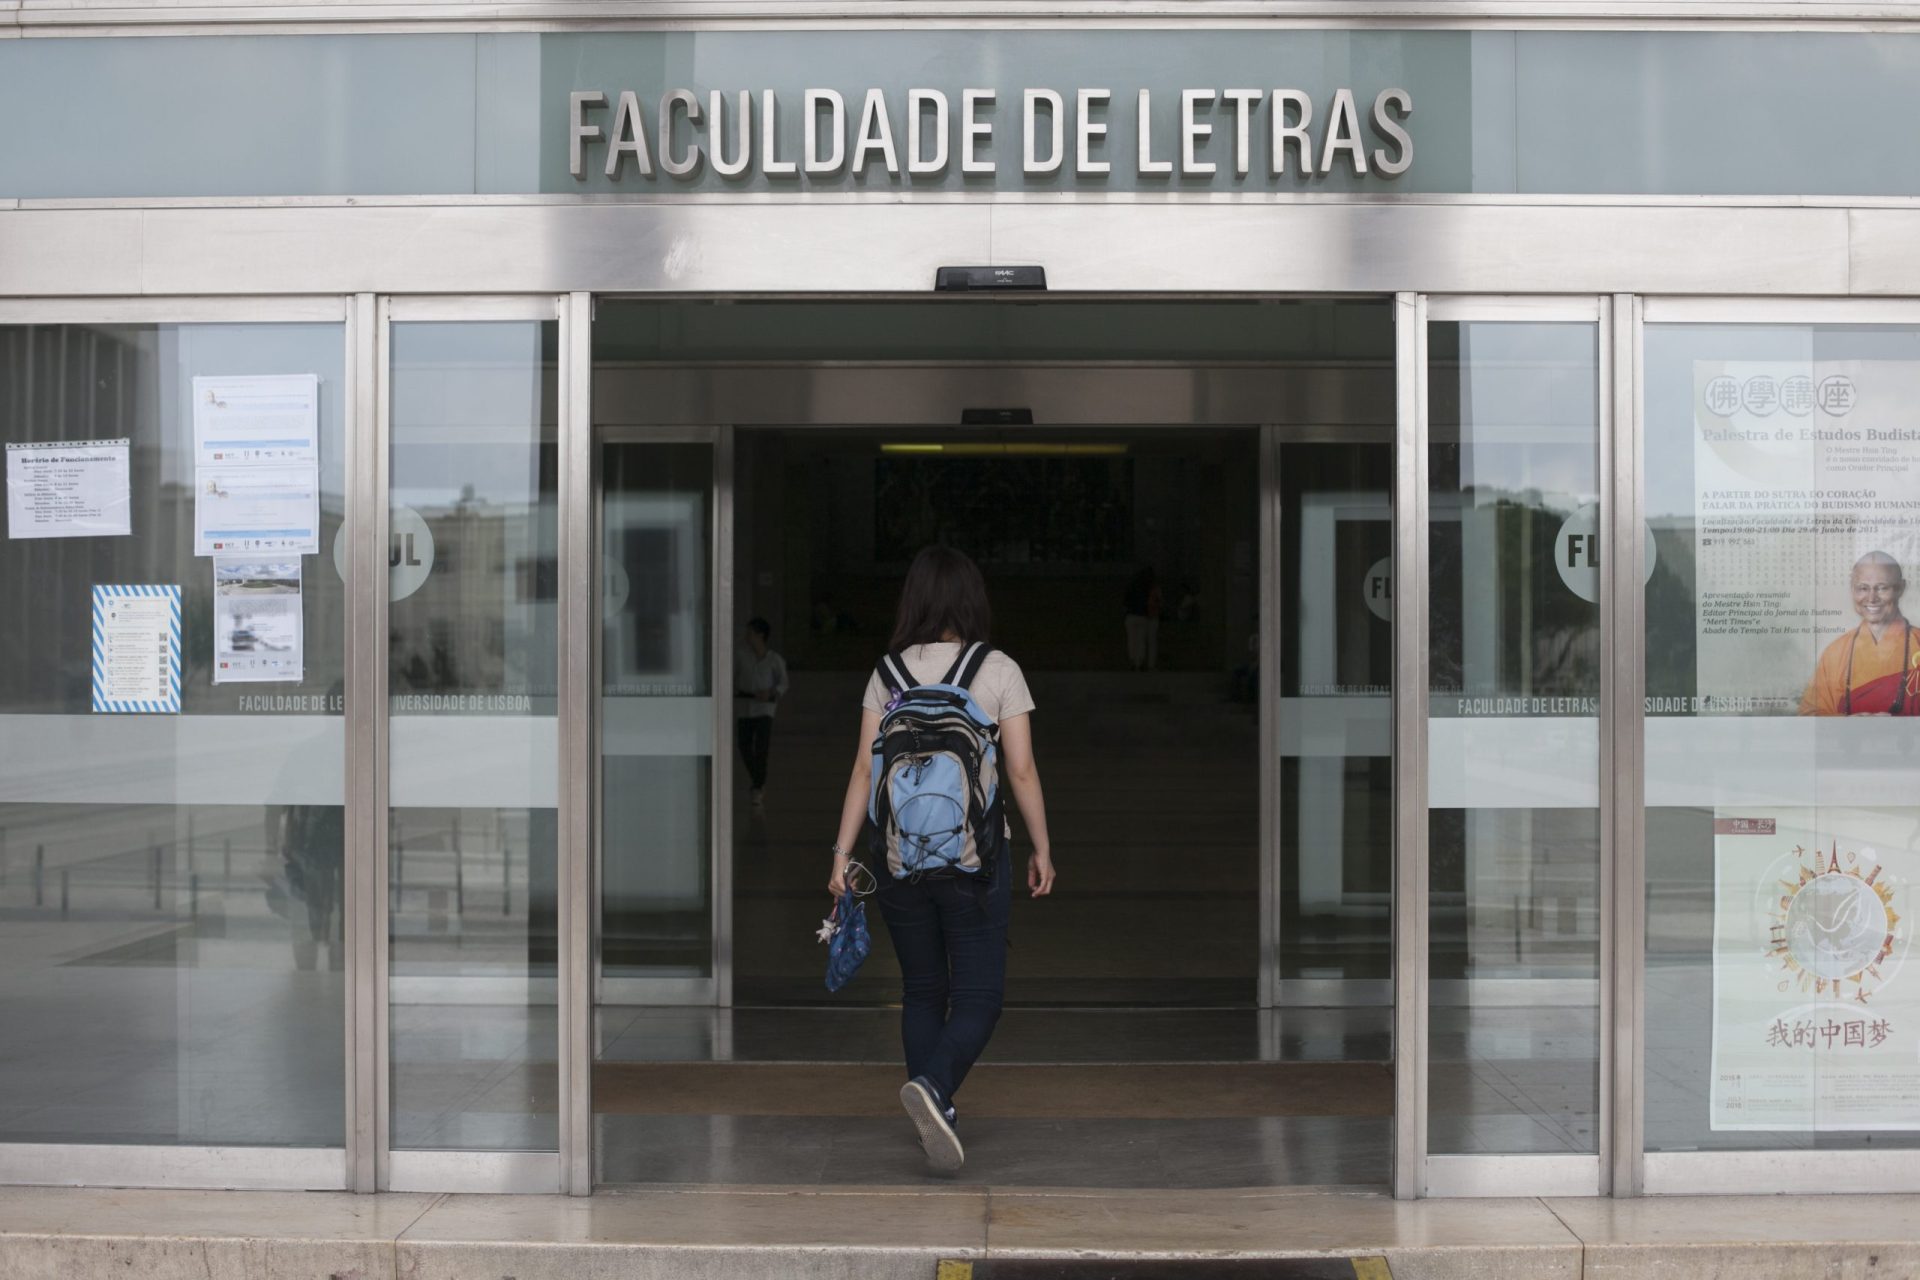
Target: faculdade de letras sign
(928,133)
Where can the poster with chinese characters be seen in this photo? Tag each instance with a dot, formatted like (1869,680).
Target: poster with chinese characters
(1807,526)
(1816,1023)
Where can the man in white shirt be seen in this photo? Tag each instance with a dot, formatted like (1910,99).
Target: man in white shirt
(759,681)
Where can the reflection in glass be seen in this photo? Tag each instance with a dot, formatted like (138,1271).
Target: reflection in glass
(169,884)
(1783,843)
(1336,728)
(657,711)
(472,838)
(1513,784)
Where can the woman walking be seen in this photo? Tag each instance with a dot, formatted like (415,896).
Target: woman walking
(949,923)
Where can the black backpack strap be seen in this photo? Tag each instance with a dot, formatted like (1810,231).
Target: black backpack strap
(968,665)
(960,660)
(893,672)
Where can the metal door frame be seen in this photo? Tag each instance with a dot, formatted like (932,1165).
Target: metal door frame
(1769,1171)
(707,401)
(476,1170)
(262,1167)
(1271,991)
(1277,991)
(716,989)
(1416,1172)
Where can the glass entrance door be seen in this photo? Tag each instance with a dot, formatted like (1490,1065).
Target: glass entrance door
(658,723)
(1330,492)
(1254,722)
(1509,845)
(473,847)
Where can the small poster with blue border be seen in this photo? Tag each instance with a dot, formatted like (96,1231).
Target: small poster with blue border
(136,650)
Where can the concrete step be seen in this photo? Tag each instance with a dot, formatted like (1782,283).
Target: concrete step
(851,1233)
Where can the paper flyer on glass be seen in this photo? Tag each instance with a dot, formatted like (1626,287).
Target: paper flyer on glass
(76,490)
(259,634)
(136,649)
(1808,498)
(1816,1023)
(253,510)
(257,418)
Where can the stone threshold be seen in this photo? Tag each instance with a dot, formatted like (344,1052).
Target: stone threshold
(856,1233)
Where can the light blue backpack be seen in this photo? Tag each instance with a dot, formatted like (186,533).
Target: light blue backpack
(934,803)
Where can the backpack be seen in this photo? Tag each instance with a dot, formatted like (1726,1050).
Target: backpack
(934,799)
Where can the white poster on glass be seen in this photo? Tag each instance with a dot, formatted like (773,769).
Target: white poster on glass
(259,634)
(136,649)
(255,510)
(1807,494)
(1816,1022)
(256,418)
(77,490)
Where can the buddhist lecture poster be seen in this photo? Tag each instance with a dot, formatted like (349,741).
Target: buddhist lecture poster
(1807,479)
(1816,1021)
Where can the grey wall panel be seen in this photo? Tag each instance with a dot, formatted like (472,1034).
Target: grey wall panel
(551,248)
(1732,112)
(238,115)
(1885,249)
(358,111)
(843,248)
(45,253)
(1441,248)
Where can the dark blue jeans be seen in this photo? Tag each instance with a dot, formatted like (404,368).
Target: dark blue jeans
(950,933)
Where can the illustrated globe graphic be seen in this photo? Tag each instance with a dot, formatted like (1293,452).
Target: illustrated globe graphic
(1836,925)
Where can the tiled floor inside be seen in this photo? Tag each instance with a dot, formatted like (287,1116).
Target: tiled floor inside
(1511,1080)
(1111,1153)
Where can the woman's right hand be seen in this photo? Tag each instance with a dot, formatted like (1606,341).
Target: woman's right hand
(837,880)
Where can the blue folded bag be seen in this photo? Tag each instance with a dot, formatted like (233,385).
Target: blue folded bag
(847,949)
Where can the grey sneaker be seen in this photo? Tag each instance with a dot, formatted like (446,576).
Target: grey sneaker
(937,1138)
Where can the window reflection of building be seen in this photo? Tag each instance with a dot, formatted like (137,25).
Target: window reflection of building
(473,626)
(73,383)
(1517,630)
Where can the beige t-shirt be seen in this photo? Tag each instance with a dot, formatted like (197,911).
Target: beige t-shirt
(999,688)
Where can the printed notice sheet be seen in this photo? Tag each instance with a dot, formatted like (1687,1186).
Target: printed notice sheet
(258,634)
(136,649)
(266,418)
(77,490)
(249,510)
(1816,1023)
(1807,484)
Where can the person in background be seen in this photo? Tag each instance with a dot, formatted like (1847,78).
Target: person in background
(759,681)
(1143,620)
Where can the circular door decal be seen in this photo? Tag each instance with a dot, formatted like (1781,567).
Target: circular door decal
(1377,588)
(409,553)
(1576,553)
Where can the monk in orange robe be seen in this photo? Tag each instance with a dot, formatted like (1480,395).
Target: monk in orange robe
(1873,670)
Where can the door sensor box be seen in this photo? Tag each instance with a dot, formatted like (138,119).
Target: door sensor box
(988,279)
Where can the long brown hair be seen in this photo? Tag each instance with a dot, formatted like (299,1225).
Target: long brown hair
(943,594)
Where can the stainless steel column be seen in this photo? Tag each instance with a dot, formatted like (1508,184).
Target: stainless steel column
(362,921)
(579,609)
(1271,621)
(722,787)
(375,744)
(1623,615)
(1410,747)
